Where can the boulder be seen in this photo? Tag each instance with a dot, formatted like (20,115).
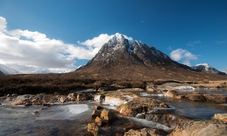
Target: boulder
(108,115)
(96,113)
(84,96)
(99,121)
(92,129)
(140,105)
(62,99)
(98,107)
(200,128)
(221,116)
(17,102)
(71,96)
(169,120)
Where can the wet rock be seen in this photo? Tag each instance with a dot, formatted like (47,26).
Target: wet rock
(145,132)
(108,115)
(93,129)
(17,102)
(140,105)
(46,104)
(84,96)
(169,120)
(96,113)
(71,96)
(27,102)
(221,116)
(14,95)
(200,128)
(99,121)
(98,107)
(63,99)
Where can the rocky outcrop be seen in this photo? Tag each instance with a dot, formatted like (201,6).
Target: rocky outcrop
(221,116)
(200,128)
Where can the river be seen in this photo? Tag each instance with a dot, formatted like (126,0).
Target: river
(72,119)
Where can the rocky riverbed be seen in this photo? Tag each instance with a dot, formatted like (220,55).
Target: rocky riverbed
(121,112)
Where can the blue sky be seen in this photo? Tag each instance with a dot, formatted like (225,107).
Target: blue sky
(190,31)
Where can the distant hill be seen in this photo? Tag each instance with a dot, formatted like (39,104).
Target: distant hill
(207,68)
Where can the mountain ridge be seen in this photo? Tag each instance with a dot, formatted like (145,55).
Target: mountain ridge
(126,59)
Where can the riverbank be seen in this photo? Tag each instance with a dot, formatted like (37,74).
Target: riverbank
(128,111)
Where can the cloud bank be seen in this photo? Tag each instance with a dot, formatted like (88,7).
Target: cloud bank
(32,51)
(183,55)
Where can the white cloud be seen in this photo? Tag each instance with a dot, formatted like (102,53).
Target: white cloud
(183,55)
(3,24)
(220,42)
(224,70)
(96,42)
(193,43)
(29,51)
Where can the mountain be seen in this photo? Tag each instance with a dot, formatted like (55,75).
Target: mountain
(207,68)
(124,59)
(7,70)
(1,73)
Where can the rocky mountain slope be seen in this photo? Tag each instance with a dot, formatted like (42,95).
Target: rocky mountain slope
(207,68)
(1,73)
(124,59)
(7,70)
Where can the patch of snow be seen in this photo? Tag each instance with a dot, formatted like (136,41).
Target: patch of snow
(7,70)
(151,124)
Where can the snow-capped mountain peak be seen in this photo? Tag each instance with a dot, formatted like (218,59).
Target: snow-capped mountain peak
(121,48)
(205,65)
(207,68)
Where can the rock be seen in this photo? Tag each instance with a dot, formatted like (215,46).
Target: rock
(14,95)
(84,96)
(145,132)
(62,99)
(200,128)
(221,116)
(140,105)
(169,120)
(108,115)
(46,104)
(96,113)
(92,129)
(17,102)
(99,121)
(71,97)
(98,107)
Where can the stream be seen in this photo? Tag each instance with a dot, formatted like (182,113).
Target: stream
(72,119)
